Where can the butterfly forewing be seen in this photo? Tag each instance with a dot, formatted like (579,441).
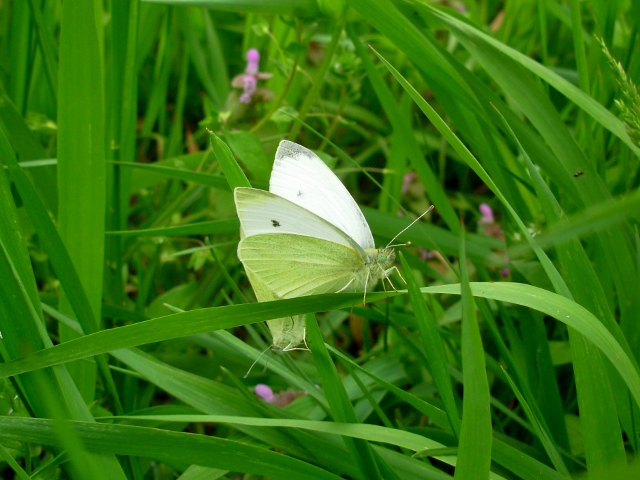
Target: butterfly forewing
(296,265)
(302,178)
(263,212)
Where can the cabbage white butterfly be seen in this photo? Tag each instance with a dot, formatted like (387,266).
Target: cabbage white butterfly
(305,236)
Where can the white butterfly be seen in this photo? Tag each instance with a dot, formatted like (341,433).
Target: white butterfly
(305,236)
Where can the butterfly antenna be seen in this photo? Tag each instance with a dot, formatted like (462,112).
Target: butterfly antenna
(266,364)
(408,227)
(256,361)
(408,243)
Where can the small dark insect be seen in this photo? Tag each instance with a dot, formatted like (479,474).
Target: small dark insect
(579,173)
(300,194)
(275,223)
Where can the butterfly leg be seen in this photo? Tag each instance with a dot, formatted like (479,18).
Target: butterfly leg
(291,347)
(386,274)
(366,282)
(256,361)
(345,287)
(389,271)
(304,339)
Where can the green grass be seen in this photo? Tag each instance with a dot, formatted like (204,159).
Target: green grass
(128,323)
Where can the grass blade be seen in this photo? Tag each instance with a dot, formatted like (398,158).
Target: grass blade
(433,348)
(474,449)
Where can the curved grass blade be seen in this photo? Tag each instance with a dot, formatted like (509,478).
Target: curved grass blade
(506,455)
(403,127)
(213,227)
(169,447)
(339,403)
(59,258)
(433,348)
(207,179)
(597,399)
(575,94)
(180,325)
(564,310)
(372,433)
(546,441)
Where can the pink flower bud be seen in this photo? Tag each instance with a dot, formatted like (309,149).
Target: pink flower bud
(487,214)
(253,60)
(264,392)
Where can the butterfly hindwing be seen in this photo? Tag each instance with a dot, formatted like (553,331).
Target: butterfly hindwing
(288,333)
(296,265)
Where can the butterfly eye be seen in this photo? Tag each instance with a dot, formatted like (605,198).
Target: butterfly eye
(382,257)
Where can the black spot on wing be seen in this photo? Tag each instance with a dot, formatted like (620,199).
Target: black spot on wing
(275,223)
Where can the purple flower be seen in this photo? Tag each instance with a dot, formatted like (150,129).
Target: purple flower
(253,60)
(407,180)
(248,81)
(281,399)
(249,84)
(264,392)
(504,272)
(487,214)
(426,254)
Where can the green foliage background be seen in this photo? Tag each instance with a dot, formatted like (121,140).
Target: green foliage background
(127,322)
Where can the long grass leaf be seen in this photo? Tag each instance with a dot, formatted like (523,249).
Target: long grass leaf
(61,261)
(433,348)
(339,403)
(474,448)
(169,447)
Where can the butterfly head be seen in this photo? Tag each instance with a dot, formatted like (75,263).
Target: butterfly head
(385,257)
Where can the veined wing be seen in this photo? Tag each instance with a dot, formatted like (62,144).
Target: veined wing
(287,332)
(263,212)
(302,178)
(296,265)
